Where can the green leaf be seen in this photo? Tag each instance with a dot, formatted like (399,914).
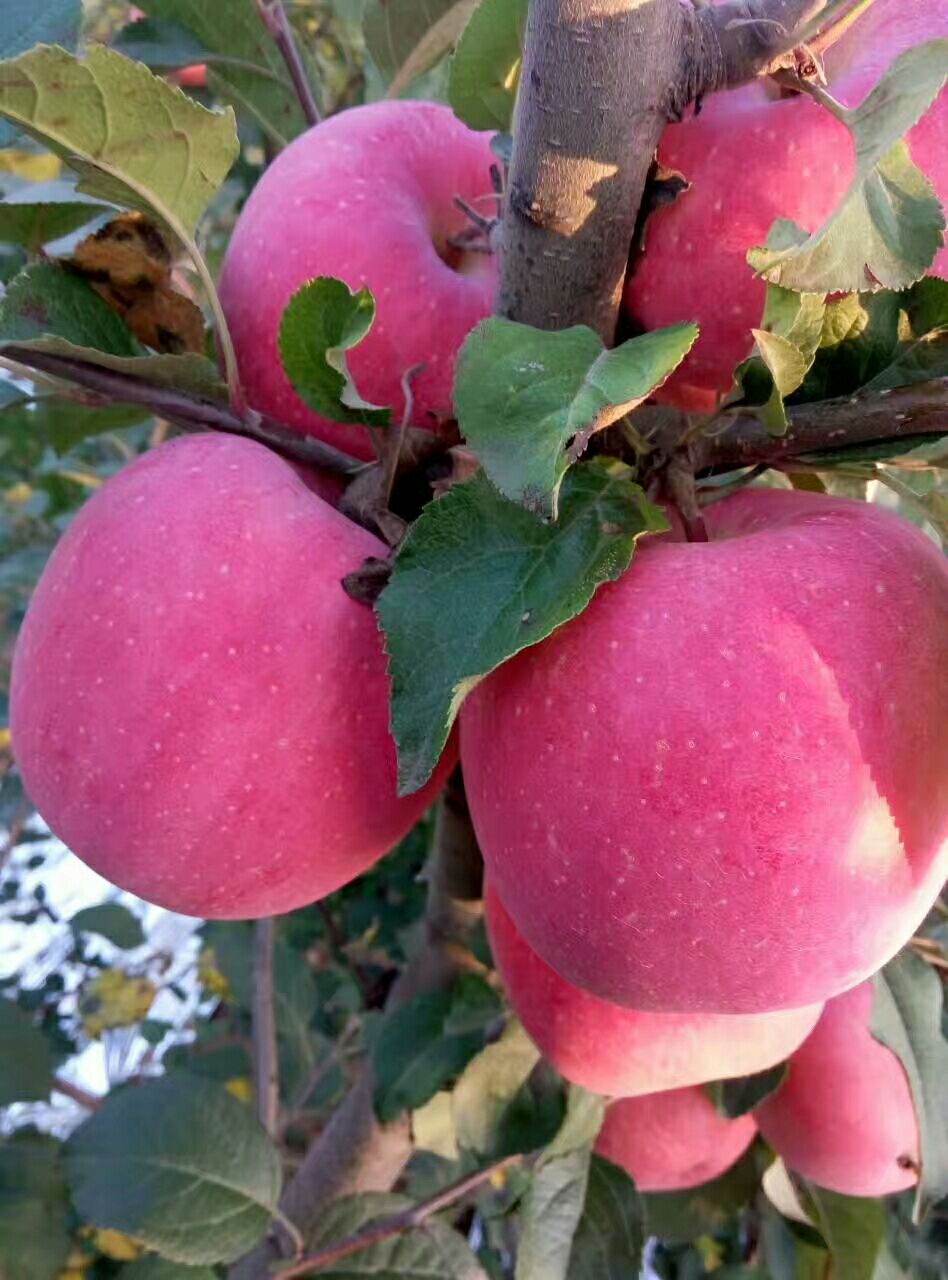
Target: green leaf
(46,300)
(685,1215)
(523,394)
(907,1017)
(556,1194)
(244,64)
(43,212)
(161,1269)
(503,1103)
(133,139)
(485,69)
(475,1005)
(610,1236)
(406,38)
(111,921)
(178,1164)
(793,1252)
(47,308)
(26,1066)
(889,227)
(853,1229)
(34,1208)
(859,339)
(733,1098)
(416,1053)
(58,423)
(322,321)
(26,23)
(433,1251)
(921,352)
(479,578)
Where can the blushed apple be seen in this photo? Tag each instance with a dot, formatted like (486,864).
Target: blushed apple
(723,788)
(623,1052)
(672,1141)
(366,196)
(198,709)
(752,157)
(844,1116)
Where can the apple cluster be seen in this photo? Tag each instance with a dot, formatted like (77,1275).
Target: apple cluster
(710,807)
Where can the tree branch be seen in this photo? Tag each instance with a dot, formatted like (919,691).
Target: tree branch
(865,418)
(277,23)
(90,1101)
(355,1152)
(192,413)
(409,1220)
(741,39)
(265,1069)
(595,93)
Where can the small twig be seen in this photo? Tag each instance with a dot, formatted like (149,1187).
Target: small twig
(265,1065)
(190,413)
(395,450)
(338,942)
(680,482)
(90,1101)
(318,1074)
(278,24)
(409,1220)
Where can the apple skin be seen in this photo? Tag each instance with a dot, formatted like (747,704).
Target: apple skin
(366,196)
(844,1117)
(673,1140)
(198,709)
(723,788)
(752,158)
(623,1052)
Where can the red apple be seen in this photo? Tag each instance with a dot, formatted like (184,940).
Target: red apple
(198,708)
(623,1052)
(844,1116)
(752,157)
(674,1140)
(366,196)
(723,788)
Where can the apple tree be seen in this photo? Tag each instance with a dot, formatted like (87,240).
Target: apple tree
(473,587)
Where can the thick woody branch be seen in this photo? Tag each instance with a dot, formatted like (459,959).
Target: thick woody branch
(356,1153)
(736,41)
(600,80)
(595,94)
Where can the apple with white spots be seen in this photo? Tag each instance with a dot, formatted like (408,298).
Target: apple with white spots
(844,1116)
(672,1141)
(751,157)
(626,1052)
(198,709)
(368,197)
(723,788)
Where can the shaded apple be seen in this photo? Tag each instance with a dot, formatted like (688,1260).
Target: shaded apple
(674,1140)
(751,157)
(844,1116)
(623,1052)
(368,197)
(723,788)
(198,709)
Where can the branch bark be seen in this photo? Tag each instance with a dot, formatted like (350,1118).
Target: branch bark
(865,418)
(600,80)
(414,1217)
(355,1152)
(191,413)
(265,1070)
